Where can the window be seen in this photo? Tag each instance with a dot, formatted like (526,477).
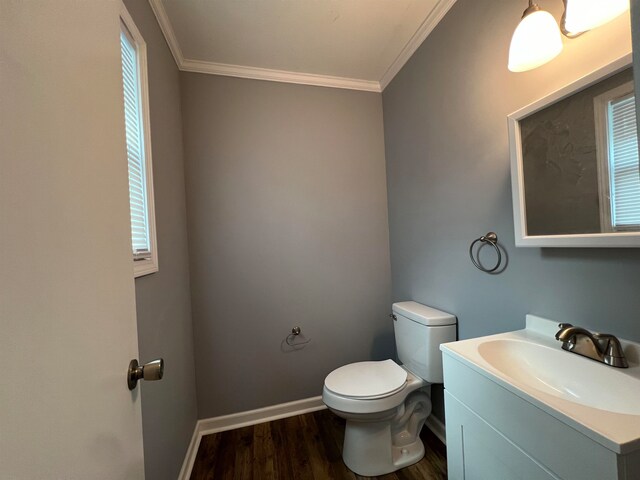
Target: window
(136,113)
(617,139)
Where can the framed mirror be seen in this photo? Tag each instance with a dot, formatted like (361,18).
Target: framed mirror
(574,164)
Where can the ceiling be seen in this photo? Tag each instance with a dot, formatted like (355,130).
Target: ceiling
(355,44)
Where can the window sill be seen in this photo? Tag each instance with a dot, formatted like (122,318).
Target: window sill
(144,267)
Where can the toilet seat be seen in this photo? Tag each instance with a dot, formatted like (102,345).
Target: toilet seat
(377,404)
(367,380)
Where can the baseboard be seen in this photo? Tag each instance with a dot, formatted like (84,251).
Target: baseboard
(434,424)
(243,419)
(261,415)
(190,456)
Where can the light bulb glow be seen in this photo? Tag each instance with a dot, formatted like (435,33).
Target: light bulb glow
(583,15)
(536,41)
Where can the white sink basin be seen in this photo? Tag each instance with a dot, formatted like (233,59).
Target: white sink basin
(601,401)
(564,374)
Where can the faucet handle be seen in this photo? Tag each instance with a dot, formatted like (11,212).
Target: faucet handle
(613,352)
(614,349)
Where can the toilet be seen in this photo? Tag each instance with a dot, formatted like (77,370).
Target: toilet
(386,404)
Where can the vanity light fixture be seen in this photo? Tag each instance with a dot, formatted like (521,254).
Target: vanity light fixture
(582,15)
(537,39)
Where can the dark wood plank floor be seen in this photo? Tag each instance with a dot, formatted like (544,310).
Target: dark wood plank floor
(303,447)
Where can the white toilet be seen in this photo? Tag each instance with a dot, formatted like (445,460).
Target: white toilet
(386,404)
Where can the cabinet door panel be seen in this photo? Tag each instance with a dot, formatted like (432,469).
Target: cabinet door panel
(476,451)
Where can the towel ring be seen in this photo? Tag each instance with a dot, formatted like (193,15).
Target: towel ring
(492,239)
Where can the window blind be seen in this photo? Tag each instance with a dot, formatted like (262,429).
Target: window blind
(623,163)
(140,239)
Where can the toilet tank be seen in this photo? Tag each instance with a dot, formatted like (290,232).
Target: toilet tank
(419,331)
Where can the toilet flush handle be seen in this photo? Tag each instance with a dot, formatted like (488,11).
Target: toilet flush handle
(395,319)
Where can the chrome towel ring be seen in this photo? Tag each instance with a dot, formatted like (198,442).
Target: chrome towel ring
(490,238)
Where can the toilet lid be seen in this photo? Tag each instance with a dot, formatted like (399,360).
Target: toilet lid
(366,379)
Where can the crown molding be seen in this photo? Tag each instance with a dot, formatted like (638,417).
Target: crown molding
(167,31)
(256,73)
(412,45)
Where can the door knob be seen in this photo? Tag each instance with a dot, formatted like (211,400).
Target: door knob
(149,371)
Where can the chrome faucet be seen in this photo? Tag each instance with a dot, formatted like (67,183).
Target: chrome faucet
(602,347)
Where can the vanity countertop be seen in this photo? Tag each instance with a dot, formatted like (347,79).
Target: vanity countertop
(600,401)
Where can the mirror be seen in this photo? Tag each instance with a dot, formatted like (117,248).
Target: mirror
(574,164)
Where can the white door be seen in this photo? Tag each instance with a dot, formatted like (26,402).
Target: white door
(67,306)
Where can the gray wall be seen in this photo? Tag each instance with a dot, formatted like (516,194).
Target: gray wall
(169,410)
(448,181)
(287,226)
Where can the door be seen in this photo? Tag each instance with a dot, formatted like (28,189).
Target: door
(67,305)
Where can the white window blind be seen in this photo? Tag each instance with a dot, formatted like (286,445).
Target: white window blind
(624,175)
(140,234)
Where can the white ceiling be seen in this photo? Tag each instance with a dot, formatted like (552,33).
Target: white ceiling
(358,44)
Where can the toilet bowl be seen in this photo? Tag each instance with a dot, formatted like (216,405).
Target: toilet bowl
(385,404)
(382,433)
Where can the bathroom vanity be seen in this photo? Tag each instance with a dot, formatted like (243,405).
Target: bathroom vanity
(520,407)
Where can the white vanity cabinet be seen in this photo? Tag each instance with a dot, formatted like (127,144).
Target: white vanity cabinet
(497,431)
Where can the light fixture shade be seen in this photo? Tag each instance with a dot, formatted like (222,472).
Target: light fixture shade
(536,41)
(583,15)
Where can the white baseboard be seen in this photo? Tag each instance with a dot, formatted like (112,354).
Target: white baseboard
(434,424)
(261,415)
(243,419)
(190,456)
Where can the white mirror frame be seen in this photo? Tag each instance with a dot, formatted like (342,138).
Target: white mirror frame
(617,239)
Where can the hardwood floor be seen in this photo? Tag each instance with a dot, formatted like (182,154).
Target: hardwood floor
(298,448)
